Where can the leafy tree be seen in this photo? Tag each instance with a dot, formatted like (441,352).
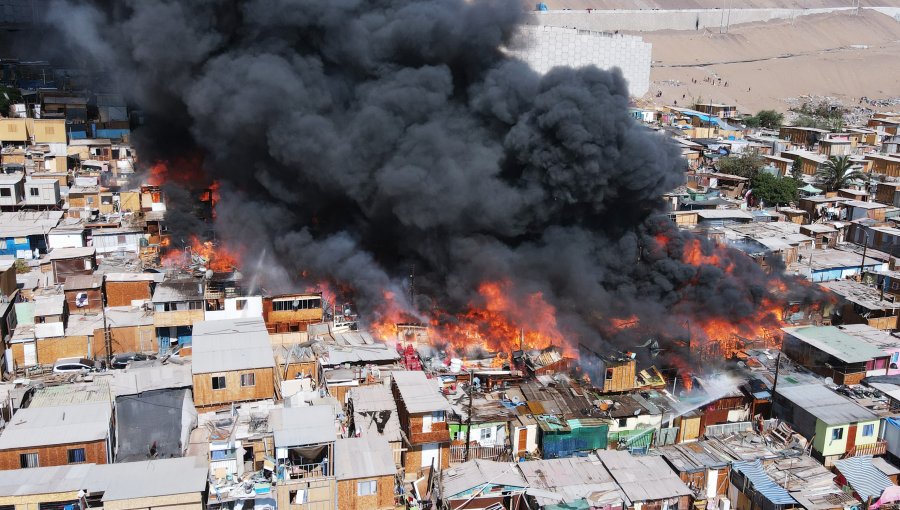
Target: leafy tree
(769,118)
(837,172)
(772,190)
(21,266)
(797,170)
(745,165)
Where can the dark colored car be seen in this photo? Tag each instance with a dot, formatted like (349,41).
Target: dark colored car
(120,361)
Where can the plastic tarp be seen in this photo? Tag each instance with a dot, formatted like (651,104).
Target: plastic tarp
(158,420)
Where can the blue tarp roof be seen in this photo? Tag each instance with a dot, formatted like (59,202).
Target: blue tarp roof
(866,479)
(762,483)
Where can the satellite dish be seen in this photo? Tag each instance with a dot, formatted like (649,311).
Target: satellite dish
(81,299)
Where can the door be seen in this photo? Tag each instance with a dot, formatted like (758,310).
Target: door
(522,442)
(431,455)
(851,437)
(30,354)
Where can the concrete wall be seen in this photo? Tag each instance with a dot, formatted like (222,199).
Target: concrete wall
(671,19)
(545,47)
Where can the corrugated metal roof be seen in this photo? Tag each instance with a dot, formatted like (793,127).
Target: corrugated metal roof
(841,345)
(573,478)
(44,480)
(298,426)
(134,380)
(83,281)
(183,290)
(363,457)
(160,477)
(762,483)
(359,354)
(419,394)
(375,412)
(643,478)
(41,426)
(71,253)
(866,479)
(826,405)
(475,473)
(27,223)
(49,305)
(234,344)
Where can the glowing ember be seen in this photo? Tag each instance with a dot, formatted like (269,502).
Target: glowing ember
(205,253)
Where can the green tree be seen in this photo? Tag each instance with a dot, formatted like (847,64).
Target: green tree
(797,170)
(21,266)
(837,172)
(745,165)
(769,119)
(772,190)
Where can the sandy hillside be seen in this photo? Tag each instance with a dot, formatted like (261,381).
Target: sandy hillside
(836,55)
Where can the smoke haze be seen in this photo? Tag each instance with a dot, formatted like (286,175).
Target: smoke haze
(355,139)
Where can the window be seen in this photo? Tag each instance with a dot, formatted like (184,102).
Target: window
(76,455)
(121,239)
(485,434)
(298,497)
(90,200)
(623,422)
(438,416)
(869,430)
(218,382)
(837,434)
(240,304)
(5,192)
(366,488)
(35,192)
(2,244)
(28,460)
(248,379)
(609,374)
(895,356)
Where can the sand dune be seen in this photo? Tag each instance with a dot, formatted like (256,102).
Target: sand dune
(834,55)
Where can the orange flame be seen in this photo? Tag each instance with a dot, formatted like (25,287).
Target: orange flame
(216,257)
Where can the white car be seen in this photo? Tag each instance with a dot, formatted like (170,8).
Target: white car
(75,365)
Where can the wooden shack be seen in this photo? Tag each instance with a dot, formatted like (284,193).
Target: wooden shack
(365,473)
(65,262)
(232,362)
(286,313)
(84,294)
(124,289)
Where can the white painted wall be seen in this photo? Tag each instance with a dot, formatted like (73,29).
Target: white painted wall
(546,47)
(252,308)
(55,241)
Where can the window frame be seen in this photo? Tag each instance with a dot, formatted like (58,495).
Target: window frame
(870,427)
(252,377)
(224,385)
(34,191)
(5,192)
(837,434)
(24,456)
(71,451)
(370,485)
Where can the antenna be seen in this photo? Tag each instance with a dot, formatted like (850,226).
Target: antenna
(412,283)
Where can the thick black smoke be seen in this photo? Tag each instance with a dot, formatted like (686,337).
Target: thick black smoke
(354,139)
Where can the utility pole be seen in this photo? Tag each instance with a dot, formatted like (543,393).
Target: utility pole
(469,415)
(777,368)
(862,264)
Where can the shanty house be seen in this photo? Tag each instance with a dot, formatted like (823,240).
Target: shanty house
(304,453)
(178,305)
(701,467)
(365,473)
(58,435)
(564,438)
(866,481)
(482,484)
(125,289)
(861,303)
(130,330)
(66,262)
(232,362)
(84,293)
(42,193)
(23,233)
(572,479)
(648,482)
(55,487)
(163,483)
(286,313)
(836,425)
(832,352)
(422,410)
(121,241)
(11,189)
(375,414)
(751,488)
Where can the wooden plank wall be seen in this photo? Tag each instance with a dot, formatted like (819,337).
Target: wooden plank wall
(383,499)
(56,455)
(206,396)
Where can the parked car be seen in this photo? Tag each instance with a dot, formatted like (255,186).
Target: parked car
(120,361)
(74,365)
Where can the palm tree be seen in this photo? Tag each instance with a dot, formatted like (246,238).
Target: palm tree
(837,172)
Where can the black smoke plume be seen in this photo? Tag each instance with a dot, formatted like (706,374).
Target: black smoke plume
(354,139)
